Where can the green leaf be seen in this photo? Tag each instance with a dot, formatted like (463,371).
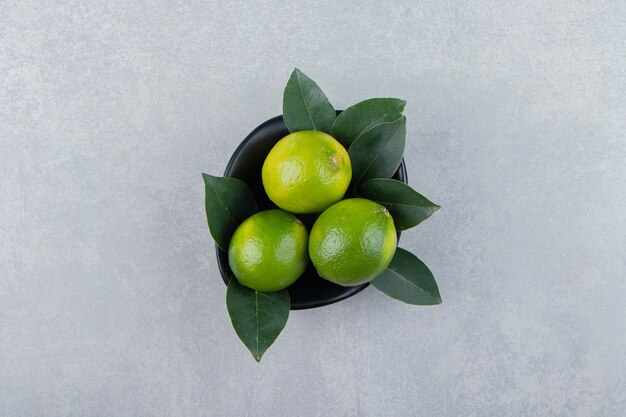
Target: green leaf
(258,317)
(364,116)
(377,153)
(305,106)
(228,202)
(408,207)
(408,279)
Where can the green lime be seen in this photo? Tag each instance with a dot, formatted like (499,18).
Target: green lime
(353,241)
(306,172)
(268,251)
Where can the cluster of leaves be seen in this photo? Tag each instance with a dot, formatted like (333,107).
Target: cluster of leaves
(374,133)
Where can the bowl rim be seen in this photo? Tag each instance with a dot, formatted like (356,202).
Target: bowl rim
(350,291)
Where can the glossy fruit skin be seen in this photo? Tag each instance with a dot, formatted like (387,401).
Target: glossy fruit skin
(268,251)
(306,172)
(353,241)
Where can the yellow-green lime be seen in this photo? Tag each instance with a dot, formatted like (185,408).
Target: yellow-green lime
(353,241)
(306,172)
(268,251)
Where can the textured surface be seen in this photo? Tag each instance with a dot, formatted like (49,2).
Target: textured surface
(111,303)
(352,241)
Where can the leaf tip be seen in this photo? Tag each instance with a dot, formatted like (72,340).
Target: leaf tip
(297,72)
(207,177)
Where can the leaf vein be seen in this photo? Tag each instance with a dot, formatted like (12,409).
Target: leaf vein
(410,282)
(401,204)
(375,123)
(306,106)
(375,157)
(219,198)
(256,296)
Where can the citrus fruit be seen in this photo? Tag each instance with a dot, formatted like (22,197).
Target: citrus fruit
(305,172)
(353,241)
(268,251)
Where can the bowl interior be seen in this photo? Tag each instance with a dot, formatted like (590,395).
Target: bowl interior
(245,164)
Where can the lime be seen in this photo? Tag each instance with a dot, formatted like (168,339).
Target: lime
(268,251)
(305,172)
(353,241)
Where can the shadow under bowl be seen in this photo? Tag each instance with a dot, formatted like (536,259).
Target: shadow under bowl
(310,290)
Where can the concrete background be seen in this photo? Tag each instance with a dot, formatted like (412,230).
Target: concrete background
(110,299)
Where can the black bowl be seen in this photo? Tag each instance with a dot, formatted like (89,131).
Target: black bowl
(309,290)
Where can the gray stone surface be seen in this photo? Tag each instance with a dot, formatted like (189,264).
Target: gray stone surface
(110,299)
